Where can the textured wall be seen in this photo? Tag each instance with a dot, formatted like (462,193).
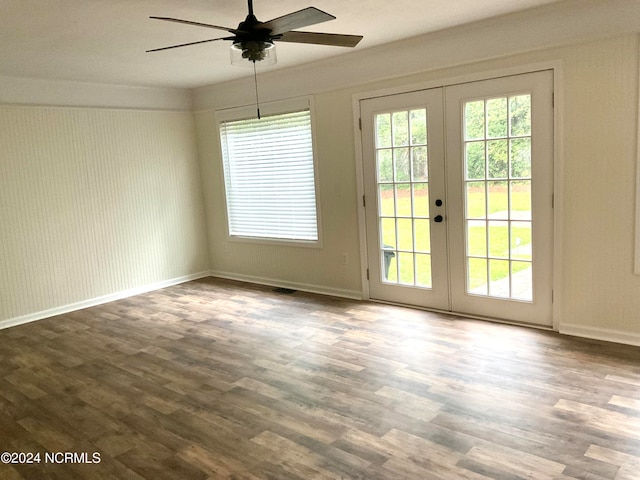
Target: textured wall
(597,295)
(316,269)
(94,202)
(600,129)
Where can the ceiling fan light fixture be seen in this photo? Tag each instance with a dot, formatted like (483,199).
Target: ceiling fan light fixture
(250,52)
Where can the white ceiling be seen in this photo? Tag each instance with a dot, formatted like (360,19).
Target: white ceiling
(104,41)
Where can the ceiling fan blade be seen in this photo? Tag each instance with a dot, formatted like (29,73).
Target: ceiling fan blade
(197,24)
(332,39)
(301,18)
(190,43)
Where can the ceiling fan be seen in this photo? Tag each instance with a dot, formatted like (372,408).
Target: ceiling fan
(253,40)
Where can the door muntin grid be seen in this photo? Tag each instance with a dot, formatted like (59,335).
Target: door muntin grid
(402,183)
(497,192)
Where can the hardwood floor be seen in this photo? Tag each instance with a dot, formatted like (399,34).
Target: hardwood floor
(223,380)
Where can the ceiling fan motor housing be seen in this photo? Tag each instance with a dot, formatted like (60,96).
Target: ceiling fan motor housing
(252,50)
(252,40)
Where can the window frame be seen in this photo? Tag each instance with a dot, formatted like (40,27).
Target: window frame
(268,109)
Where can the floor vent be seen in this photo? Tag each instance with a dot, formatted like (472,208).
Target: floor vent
(287,291)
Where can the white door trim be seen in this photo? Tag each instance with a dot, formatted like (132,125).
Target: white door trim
(557,67)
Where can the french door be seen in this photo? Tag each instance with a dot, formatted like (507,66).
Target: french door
(458,197)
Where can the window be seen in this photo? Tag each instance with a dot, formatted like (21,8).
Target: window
(269,176)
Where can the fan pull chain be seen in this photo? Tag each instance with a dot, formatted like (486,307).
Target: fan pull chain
(255,79)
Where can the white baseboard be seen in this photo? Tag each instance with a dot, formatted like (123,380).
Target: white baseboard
(334,292)
(595,333)
(92,302)
(605,334)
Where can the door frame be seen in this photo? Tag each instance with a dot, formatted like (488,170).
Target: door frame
(558,214)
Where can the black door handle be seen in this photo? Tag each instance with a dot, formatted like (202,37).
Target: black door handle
(438,218)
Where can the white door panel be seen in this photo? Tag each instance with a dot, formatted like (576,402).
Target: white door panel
(404,150)
(500,190)
(462,221)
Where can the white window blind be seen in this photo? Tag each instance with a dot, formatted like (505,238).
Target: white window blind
(269,177)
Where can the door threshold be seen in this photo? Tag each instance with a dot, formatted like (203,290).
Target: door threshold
(503,321)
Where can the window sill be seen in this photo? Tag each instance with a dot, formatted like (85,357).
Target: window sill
(275,242)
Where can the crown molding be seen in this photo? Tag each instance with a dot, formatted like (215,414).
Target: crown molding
(42,92)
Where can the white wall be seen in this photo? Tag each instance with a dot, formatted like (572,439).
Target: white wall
(601,294)
(312,269)
(597,294)
(107,199)
(96,203)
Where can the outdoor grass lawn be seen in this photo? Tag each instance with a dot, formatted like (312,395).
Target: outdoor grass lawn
(498,239)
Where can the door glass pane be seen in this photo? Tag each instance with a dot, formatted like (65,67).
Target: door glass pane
(477,238)
(497,117)
(405,234)
(418,127)
(475,160)
(477,276)
(422,236)
(498,156)
(520,115)
(521,240)
(423,270)
(498,239)
(406,268)
(403,200)
(400,129)
(388,233)
(474,120)
(500,282)
(498,206)
(403,197)
(420,199)
(389,264)
(383,130)
(402,166)
(498,201)
(385,165)
(521,200)
(386,200)
(520,157)
(419,169)
(522,280)
(476,200)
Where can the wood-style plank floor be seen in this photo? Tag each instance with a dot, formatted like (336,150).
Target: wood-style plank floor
(222,380)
